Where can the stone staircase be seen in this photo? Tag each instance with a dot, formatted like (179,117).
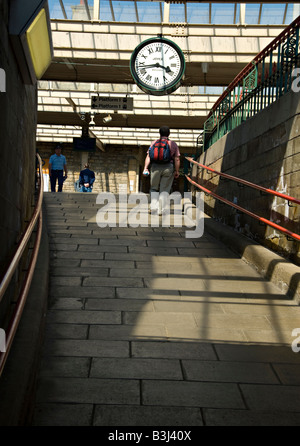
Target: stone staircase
(146,327)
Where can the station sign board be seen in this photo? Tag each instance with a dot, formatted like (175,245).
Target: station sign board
(111,103)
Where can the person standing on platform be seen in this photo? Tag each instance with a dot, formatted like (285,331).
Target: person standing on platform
(163,159)
(57,166)
(86,179)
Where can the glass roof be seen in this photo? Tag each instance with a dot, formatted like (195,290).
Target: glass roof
(186,12)
(54,96)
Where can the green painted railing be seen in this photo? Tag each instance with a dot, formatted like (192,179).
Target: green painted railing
(265,79)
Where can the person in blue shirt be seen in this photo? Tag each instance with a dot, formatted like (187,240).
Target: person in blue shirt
(57,166)
(86,179)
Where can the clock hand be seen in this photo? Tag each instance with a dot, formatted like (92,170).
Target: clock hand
(156,65)
(149,66)
(168,69)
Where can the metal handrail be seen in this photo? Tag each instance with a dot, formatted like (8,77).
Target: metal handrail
(246,183)
(257,59)
(245,211)
(262,82)
(15,319)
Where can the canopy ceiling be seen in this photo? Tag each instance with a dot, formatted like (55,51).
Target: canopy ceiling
(93,40)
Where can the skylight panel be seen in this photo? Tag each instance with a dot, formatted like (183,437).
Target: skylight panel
(124,11)
(55,10)
(198,13)
(272,14)
(215,13)
(252,13)
(177,13)
(291,9)
(222,13)
(149,12)
(106,11)
(74,9)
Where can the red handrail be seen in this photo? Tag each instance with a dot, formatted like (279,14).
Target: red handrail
(245,211)
(246,183)
(15,319)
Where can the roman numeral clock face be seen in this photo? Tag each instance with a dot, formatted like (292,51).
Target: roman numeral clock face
(157,66)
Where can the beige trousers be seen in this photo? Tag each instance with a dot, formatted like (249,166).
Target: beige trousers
(161,180)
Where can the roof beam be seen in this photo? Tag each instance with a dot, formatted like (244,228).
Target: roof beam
(100,52)
(166,18)
(87,9)
(96,12)
(63,9)
(112,10)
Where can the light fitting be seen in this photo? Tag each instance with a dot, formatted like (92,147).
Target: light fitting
(107,119)
(92,122)
(204,67)
(30,34)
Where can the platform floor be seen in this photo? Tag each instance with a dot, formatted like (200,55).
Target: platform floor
(148,328)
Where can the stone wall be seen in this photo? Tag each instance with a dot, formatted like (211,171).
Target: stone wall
(264,150)
(18,104)
(110,167)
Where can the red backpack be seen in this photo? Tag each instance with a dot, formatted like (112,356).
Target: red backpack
(160,151)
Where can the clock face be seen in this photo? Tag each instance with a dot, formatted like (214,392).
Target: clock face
(157,66)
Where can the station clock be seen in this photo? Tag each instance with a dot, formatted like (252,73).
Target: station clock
(157,66)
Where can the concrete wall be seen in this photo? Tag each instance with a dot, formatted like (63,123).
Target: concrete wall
(264,150)
(18,104)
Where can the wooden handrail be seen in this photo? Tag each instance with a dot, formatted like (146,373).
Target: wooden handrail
(16,317)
